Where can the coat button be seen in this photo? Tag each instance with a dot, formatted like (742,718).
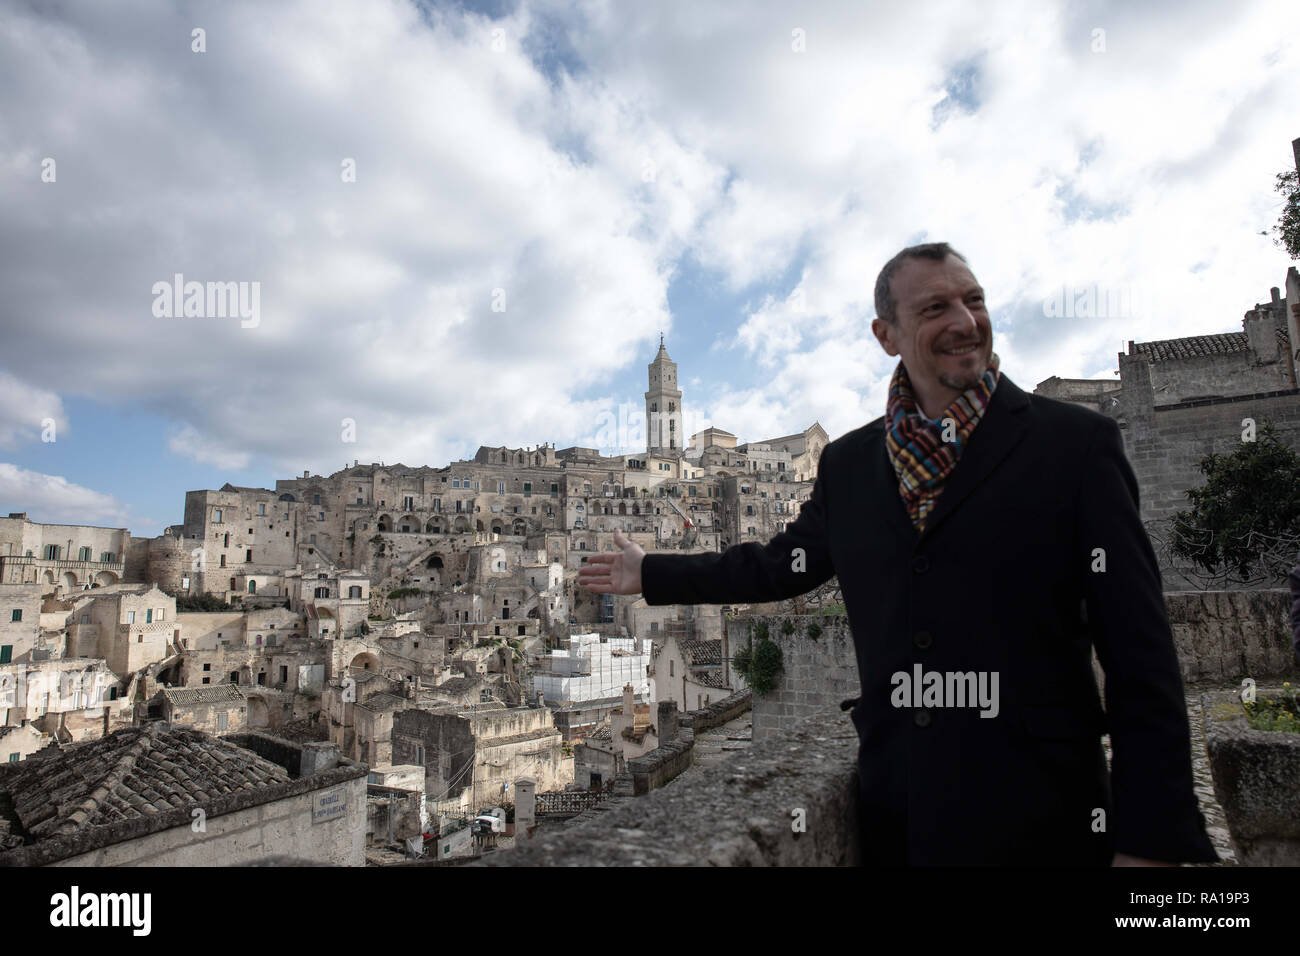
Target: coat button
(920,564)
(922,718)
(923,640)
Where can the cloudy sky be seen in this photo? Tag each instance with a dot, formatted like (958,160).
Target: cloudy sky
(467,225)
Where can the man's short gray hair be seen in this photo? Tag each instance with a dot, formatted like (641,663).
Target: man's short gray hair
(886,304)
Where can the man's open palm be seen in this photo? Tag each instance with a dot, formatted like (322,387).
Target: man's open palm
(618,572)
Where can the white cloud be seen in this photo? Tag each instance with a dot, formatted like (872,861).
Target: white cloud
(685,131)
(55,500)
(26,412)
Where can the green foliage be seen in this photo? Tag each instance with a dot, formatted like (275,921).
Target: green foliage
(759,663)
(377,539)
(202,602)
(1251,498)
(400,593)
(764,667)
(814,631)
(741,659)
(1280,713)
(365,628)
(834,610)
(760,630)
(787,627)
(1288,224)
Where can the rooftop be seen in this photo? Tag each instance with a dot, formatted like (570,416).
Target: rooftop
(1197,346)
(129,774)
(214,694)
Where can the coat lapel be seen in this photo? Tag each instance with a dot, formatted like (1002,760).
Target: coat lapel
(1000,429)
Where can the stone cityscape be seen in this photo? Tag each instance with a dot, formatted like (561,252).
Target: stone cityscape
(393,664)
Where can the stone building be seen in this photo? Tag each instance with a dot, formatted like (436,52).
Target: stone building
(219,709)
(693,673)
(128,625)
(151,796)
(20,622)
(19,743)
(65,698)
(471,758)
(62,558)
(1177,400)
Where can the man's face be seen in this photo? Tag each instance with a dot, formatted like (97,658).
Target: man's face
(941,315)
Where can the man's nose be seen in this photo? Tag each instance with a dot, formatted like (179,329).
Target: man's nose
(965,318)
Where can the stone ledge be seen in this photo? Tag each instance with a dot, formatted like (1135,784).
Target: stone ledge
(738,813)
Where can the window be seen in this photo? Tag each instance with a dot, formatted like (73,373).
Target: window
(17,615)
(261,508)
(320,516)
(83,554)
(130,617)
(6,653)
(223,561)
(207,667)
(354,592)
(85,619)
(221,722)
(51,552)
(409,502)
(528,489)
(555,490)
(216,515)
(206,680)
(315,499)
(148,615)
(455,482)
(248,555)
(501,487)
(670,668)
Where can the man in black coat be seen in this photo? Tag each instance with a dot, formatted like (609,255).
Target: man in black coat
(984,540)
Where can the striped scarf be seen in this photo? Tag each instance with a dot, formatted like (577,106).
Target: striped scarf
(922,460)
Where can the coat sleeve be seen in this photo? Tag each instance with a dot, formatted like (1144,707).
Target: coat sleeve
(794,562)
(1154,811)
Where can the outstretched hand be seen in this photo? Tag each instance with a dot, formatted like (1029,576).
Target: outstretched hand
(618,572)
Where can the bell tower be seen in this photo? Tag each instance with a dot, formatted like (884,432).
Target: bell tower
(663,407)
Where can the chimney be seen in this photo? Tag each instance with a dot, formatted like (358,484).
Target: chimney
(667,721)
(628,701)
(307,474)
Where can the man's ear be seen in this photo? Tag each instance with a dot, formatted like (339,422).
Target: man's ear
(884,333)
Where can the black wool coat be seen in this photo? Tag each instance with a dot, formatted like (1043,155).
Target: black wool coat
(1033,555)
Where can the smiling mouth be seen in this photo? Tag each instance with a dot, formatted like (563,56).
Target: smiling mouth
(964,350)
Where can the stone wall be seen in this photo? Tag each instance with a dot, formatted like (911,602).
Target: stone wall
(816,672)
(1218,635)
(760,810)
(1221,635)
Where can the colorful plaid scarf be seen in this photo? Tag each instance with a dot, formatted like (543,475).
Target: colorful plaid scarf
(922,460)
